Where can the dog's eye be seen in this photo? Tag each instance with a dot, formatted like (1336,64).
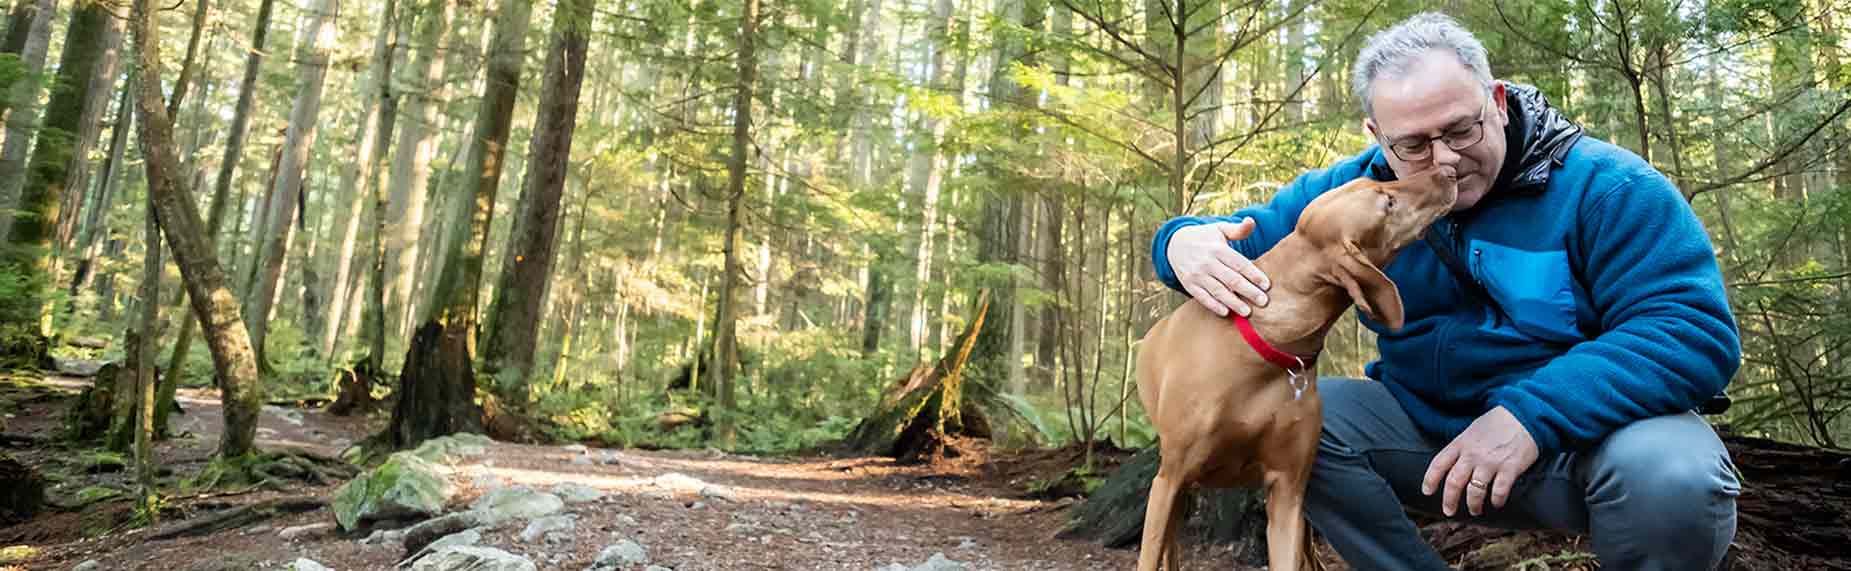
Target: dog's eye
(1390,205)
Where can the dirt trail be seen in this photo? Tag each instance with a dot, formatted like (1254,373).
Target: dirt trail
(692,510)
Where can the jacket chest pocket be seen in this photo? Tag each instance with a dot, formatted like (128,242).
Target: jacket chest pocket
(1535,289)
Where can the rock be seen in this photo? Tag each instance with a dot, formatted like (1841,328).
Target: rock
(301,531)
(290,416)
(966,543)
(306,564)
(583,460)
(657,495)
(575,448)
(679,480)
(550,526)
(718,493)
(465,538)
(517,502)
(418,536)
(741,528)
(697,505)
(472,558)
(448,448)
(657,568)
(78,367)
(938,562)
(577,493)
(404,487)
(93,494)
(91,565)
(625,552)
(626,520)
(384,537)
(611,458)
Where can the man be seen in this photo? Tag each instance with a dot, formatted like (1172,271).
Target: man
(1562,322)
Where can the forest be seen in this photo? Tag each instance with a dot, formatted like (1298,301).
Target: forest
(849,283)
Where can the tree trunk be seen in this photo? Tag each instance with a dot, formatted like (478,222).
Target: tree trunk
(304,120)
(28,249)
(144,350)
(240,124)
(201,9)
(460,281)
(726,326)
(357,182)
(102,86)
(411,162)
(21,101)
(521,289)
(995,358)
(95,224)
(212,302)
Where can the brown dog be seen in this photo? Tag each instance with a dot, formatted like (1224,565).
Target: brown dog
(1237,408)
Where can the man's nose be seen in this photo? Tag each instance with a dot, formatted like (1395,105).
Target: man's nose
(1444,155)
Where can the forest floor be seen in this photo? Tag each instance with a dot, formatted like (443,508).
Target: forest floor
(690,510)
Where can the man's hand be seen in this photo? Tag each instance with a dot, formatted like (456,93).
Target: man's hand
(1484,460)
(1213,272)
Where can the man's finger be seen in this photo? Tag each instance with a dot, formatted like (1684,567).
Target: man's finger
(1238,284)
(1504,482)
(1236,230)
(1456,482)
(1248,270)
(1201,296)
(1212,286)
(1437,469)
(1477,487)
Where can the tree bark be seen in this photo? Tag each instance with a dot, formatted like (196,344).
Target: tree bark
(144,357)
(411,163)
(304,121)
(213,303)
(926,172)
(21,103)
(356,182)
(521,288)
(97,96)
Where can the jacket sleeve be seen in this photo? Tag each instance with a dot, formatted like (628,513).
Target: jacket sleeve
(1272,220)
(1668,340)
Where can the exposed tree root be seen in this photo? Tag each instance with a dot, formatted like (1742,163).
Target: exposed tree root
(238,517)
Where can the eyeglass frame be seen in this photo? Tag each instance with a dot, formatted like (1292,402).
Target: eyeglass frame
(1444,138)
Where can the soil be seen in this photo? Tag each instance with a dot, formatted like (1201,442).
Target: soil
(798,512)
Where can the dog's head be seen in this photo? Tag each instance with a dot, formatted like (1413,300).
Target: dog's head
(1358,227)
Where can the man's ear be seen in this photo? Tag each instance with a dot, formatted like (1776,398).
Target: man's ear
(1368,287)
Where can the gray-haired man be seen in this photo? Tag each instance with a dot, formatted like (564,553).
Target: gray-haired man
(1561,325)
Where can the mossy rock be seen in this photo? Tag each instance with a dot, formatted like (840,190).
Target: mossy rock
(404,486)
(448,449)
(93,494)
(103,462)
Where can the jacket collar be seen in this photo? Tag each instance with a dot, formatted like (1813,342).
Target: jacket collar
(1539,137)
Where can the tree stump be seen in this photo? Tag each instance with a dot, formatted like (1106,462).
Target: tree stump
(22,490)
(1114,514)
(90,414)
(354,389)
(437,389)
(922,415)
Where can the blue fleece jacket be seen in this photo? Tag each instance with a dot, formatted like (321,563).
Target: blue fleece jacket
(1609,306)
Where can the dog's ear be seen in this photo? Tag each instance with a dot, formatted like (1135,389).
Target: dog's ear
(1368,286)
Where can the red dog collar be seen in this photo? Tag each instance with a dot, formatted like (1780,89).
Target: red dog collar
(1289,362)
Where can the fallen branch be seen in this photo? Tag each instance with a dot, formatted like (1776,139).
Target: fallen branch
(239,517)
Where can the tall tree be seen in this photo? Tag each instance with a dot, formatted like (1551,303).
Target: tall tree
(357,182)
(726,312)
(521,289)
(240,122)
(926,171)
(304,121)
(19,102)
(213,303)
(411,170)
(439,372)
(28,248)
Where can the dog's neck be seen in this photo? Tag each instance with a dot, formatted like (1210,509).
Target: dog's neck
(1302,304)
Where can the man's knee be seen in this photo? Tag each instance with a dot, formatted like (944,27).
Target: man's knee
(1666,469)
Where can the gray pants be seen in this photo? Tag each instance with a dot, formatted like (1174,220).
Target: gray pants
(1656,494)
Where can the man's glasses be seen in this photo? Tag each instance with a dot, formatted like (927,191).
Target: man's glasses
(1417,148)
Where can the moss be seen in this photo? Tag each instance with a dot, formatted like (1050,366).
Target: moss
(14,554)
(101,461)
(93,494)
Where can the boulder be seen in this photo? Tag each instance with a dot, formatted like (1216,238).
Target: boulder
(406,486)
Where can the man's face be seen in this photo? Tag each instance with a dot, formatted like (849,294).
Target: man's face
(1438,97)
